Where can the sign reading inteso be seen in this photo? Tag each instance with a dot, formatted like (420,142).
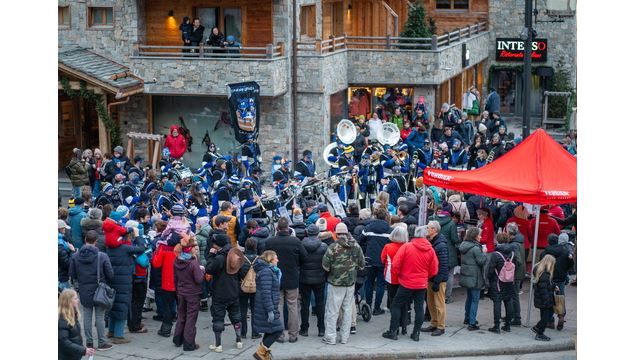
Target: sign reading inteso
(511,49)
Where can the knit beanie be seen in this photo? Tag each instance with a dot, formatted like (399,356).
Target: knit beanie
(563,238)
(95,214)
(178,210)
(341,229)
(312,230)
(321,224)
(123,209)
(552,239)
(169,187)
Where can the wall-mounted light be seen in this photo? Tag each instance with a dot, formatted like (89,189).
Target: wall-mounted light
(350,6)
(171,13)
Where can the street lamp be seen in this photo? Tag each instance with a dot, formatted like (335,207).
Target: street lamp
(528,35)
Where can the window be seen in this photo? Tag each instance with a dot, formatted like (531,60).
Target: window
(233,23)
(63,16)
(100,17)
(307,21)
(453,4)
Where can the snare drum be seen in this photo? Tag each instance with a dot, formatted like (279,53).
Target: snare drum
(180,173)
(310,191)
(269,203)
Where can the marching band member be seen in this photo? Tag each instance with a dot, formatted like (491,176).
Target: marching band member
(248,201)
(250,149)
(305,168)
(210,157)
(346,163)
(276,164)
(281,176)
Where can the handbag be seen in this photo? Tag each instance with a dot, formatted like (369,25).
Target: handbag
(104,294)
(558,307)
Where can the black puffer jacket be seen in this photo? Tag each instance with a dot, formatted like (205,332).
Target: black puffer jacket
(373,239)
(69,341)
(224,286)
(300,229)
(351,222)
(63,262)
(84,270)
(499,290)
(261,234)
(357,232)
(563,262)
(440,245)
(291,255)
(88,224)
(543,291)
(311,271)
(123,266)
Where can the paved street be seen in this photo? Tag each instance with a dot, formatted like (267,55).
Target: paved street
(369,344)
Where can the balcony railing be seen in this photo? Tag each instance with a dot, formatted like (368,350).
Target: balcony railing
(433,43)
(208,52)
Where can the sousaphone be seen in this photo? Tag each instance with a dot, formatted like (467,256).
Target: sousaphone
(346,131)
(389,134)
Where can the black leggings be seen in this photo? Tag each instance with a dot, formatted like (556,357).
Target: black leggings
(269,339)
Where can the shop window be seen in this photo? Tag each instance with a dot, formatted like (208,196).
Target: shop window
(307,21)
(100,17)
(63,16)
(453,4)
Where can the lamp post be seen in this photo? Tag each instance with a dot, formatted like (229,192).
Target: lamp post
(527,67)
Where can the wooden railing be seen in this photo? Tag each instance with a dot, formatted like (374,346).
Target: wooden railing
(208,52)
(388,42)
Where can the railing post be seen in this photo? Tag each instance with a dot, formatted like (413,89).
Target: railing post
(269,51)
(332,38)
(345,41)
(281,45)
(135,49)
(200,50)
(318,46)
(388,41)
(434,42)
(459,35)
(447,33)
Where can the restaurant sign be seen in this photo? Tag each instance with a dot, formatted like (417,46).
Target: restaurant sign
(512,49)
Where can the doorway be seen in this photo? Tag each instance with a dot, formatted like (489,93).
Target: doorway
(209,19)
(504,81)
(77,127)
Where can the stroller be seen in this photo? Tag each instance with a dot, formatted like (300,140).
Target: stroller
(363,308)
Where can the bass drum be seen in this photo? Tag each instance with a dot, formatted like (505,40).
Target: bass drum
(181,173)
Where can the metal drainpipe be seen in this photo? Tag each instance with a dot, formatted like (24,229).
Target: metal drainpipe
(294,84)
(118,103)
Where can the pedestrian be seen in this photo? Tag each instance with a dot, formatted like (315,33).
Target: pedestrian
(203,229)
(121,253)
(331,221)
(451,235)
(84,266)
(472,264)
(520,217)
(93,222)
(500,291)
(415,263)
(163,259)
(487,225)
(398,237)
(544,295)
(75,216)
(69,333)
(517,240)
(186,32)
(312,280)
(248,300)
(77,171)
(342,260)
(324,235)
(223,263)
(227,210)
(311,212)
(266,316)
(139,283)
(548,225)
(64,252)
(373,239)
(292,255)
(364,218)
(297,224)
(560,249)
(188,276)
(436,297)
(352,220)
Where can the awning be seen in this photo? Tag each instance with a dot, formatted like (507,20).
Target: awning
(99,71)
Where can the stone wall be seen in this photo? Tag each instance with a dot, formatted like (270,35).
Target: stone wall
(275,129)
(133,117)
(507,20)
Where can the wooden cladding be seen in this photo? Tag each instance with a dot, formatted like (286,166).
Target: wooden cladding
(450,15)
(307,21)
(373,18)
(256,20)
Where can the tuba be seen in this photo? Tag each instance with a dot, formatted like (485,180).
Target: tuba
(327,152)
(389,134)
(346,131)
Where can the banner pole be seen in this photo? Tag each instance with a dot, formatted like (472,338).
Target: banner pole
(533,262)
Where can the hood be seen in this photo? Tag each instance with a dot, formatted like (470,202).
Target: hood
(422,244)
(411,205)
(75,210)
(61,240)
(261,264)
(467,245)
(518,238)
(456,198)
(174,127)
(505,249)
(444,220)
(262,233)
(87,254)
(346,240)
(91,224)
(311,243)
(180,264)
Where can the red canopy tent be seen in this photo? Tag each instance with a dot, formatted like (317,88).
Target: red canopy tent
(537,171)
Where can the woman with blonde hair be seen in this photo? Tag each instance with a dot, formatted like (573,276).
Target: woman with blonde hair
(69,333)
(543,295)
(383,201)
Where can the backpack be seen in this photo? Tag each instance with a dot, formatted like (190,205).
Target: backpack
(68,170)
(248,283)
(508,270)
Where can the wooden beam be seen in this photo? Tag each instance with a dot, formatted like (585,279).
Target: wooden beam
(75,86)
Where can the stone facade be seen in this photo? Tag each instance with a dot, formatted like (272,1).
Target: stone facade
(133,117)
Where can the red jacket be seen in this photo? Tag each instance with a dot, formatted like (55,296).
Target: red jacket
(164,259)
(331,221)
(112,232)
(176,144)
(387,258)
(405,133)
(524,228)
(556,211)
(547,226)
(415,263)
(487,236)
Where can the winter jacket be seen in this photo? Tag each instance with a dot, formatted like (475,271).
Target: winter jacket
(416,140)
(404,133)
(75,216)
(563,262)
(261,234)
(331,221)
(547,226)
(487,235)
(518,244)
(79,172)
(216,40)
(197,35)
(543,291)
(69,340)
(201,239)
(357,232)
(64,254)
(373,239)
(291,255)
(88,224)
(267,299)
(186,32)
(312,217)
(524,228)
(300,229)
(250,257)
(472,263)
(176,144)
(232,229)
(112,232)
(415,264)
(493,102)
(342,260)
(459,207)
(449,232)
(188,277)
(163,259)
(387,257)
(224,286)
(351,222)
(83,271)
(311,271)
(499,290)
(123,266)
(440,245)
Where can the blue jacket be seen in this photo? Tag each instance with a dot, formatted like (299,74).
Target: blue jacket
(312,217)
(75,216)
(493,102)
(267,299)
(83,270)
(123,266)
(373,239)
(440,245)
(415,140)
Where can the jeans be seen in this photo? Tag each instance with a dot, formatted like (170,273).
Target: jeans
(117,326)
(269,339)
(292,319)
(100,324)
(375,273)
(392,291)
(471,305)
(306,291)
(77,191)
(340,297)
(403,297)
(246,302)
(516,300)
(97,188)
(449,284)
(546,316)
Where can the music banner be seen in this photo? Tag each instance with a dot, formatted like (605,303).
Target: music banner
(244,108)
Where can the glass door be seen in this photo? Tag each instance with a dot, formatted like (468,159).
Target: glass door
(233,23)
(208,17)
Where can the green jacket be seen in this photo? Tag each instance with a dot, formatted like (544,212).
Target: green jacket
(397,120)
(518,243)
(79,172)
(472,263)
(201,238)
(342,260)
(448,229)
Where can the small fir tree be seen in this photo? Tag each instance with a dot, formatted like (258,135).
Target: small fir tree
(416,26)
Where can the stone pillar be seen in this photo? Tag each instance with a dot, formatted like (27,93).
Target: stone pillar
(133,118)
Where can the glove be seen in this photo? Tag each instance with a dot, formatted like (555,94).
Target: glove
(270,317)
(435,287)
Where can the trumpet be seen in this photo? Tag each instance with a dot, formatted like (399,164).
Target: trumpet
(401,157)
(375,158)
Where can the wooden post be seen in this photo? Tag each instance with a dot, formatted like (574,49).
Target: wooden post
(345,41)
(332,38)
(449,39)
(388,41)
(318,46)
(281,45)
(434,42)
(155,158)
(459,35)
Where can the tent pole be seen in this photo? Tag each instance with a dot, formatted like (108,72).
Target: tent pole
(533,263)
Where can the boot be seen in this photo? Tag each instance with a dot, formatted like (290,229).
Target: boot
(495,329)
(506,327)
(391,334)
(165,330)
(560,322)
(262,353)
(190,347)
(177,340)
(415,334)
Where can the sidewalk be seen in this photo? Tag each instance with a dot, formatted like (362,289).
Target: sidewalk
(368,343)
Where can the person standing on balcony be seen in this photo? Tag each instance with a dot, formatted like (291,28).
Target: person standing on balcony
(186,33)
(217,39)
(197,32)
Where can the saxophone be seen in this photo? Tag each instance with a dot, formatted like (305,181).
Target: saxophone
(490,156)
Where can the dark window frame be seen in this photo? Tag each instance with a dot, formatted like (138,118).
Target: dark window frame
(452,7)
(103,25)
(64,25)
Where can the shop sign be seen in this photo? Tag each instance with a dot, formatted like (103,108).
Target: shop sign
(512,49)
